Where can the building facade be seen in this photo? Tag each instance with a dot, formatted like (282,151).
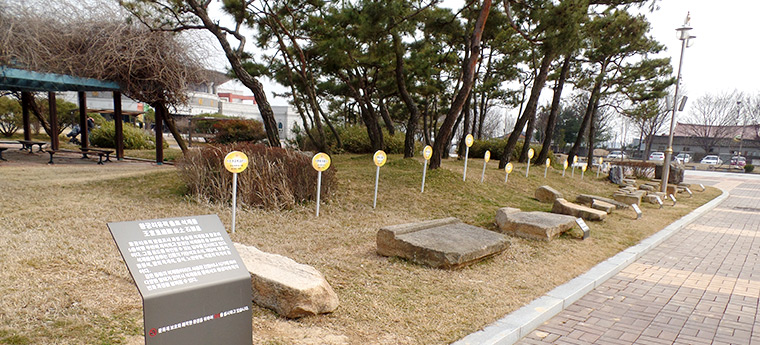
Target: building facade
(723,141)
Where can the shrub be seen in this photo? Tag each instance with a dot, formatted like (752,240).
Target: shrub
(749,168)
(276,178)
(233,131)
(134,138)
(638,169)
(496,146)
(356,140)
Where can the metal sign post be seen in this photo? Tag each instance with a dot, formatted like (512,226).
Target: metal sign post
(467,142)
(320,162)
(379,158)
(584,227)
(191,296)
(575,160)
(600,167)
(548,163)
(486,158)
(527,167)
(508,170)
(583,170)
(637,210)
(235,162)
(673,197)
(427,152)
(564,168)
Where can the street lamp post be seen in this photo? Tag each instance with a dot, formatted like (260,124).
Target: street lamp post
(684,36)
(744,123)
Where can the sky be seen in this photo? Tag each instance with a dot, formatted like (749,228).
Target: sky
(722,58)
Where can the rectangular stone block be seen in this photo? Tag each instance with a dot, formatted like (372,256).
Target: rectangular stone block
(442,243)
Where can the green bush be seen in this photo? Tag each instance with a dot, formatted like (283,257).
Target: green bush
(134,138)
(496,146)
(276,178)
(233,131)
(356,140)
(749,168)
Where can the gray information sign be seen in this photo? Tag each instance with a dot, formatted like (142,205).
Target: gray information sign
(194,285)
(584,227)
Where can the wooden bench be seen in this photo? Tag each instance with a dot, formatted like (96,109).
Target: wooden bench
(29,145)
(1,153)
(84,153)
(99,152)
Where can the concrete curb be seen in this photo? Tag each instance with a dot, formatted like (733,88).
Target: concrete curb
(518,324)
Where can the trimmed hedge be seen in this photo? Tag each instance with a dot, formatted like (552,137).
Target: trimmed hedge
(276,178)
(356,140)
(233,131)
(134,138)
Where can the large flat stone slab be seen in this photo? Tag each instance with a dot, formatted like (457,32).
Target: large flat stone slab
(442,243)
(535,225)
(563,206)
(289,288)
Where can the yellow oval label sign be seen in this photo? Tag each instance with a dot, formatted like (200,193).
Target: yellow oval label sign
(487,156)
(583,167)
(380,157)
(320,162)
(530,153)
(235,162)
(508,168)
(468,140)
(601,160)
(548,162)
(575,159)
(427,152)
(564,165)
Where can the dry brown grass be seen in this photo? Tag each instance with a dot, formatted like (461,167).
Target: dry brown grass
(63,281)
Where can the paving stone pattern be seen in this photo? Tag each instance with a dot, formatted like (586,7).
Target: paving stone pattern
(701,286)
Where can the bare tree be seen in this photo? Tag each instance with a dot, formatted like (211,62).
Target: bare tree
(713,118)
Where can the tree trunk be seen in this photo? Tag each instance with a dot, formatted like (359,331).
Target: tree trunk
(528,135)
(267,115)
(530,108)
(411,107)
(592,134)
(169,122)
(386,117)
(464,91)
(589,112)
(466,130)
(551,121)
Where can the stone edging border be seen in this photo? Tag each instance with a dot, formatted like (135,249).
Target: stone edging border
(521,322)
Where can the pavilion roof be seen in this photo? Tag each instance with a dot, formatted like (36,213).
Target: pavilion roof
(15,79)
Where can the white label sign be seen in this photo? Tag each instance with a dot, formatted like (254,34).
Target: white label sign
(584,227)
(659,201)
(637,210)
(673,197)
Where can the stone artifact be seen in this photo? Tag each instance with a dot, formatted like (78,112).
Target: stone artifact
(651,198)
(616,175)
(588,199)
(602,206)
(535,225)
(629,198)
(676,172)
(648,188)
(291,289)
(442,243)
(563,206)
(672,189)
(547,194)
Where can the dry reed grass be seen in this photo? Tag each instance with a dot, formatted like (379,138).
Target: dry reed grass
(64,282)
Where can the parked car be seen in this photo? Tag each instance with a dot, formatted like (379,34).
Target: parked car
(656,156)
(683,157)
(619,155)
(738,162)
(711,160)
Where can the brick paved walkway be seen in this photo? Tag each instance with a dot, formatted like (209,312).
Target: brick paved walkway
(701,286)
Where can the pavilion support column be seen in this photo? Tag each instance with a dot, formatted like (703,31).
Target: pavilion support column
(54,145)
(159,128)
(118,123)
(26,102)
(85,135)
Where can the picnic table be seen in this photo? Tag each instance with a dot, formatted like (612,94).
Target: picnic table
(85,151)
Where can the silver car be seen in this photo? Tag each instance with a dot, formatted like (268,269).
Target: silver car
(711,160)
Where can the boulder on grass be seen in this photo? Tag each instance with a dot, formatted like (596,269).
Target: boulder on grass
(629,198)
(547,194)
(563,206)
(534,225)
(442,243)
(676,172)
(291,289)
(616,175)
(602,206)
(648,188)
